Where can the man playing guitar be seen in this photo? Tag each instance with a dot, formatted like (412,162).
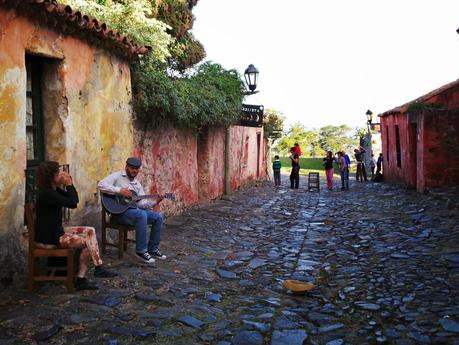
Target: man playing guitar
(123,183)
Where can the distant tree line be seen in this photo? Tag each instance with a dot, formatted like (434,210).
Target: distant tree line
(314,142)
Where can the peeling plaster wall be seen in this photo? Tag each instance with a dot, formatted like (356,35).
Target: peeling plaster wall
(429,144)
(169,164)
(87,123)
(244,153)
(193,166)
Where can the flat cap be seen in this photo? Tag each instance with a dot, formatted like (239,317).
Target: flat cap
(134,162)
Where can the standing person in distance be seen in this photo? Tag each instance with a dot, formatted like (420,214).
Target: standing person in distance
(361,173)
(295,173)
(372,166)
(277,165)
(343,170)
(328,164)
(379,163)
(122,183)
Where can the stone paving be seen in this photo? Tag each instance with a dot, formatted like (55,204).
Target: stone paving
(385,262)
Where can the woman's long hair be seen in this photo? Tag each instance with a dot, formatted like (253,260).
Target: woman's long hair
(45,174)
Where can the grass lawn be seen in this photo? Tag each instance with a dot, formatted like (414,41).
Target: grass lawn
(308,165)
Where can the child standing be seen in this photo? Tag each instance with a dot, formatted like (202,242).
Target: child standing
(276,169)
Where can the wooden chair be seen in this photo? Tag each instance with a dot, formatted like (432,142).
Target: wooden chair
(313,181)
(36,252)
(122,229)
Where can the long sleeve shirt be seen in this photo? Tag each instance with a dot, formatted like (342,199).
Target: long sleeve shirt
(114,182)
(48,225)
(277,165)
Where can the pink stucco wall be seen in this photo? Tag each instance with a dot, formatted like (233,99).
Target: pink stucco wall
(192,165)
(429,142)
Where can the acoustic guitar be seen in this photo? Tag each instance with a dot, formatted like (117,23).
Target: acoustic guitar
(117,204)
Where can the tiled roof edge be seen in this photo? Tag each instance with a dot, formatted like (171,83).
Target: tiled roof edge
(63,19)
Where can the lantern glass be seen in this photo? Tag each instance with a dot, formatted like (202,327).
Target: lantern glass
(251,77)
(369,115)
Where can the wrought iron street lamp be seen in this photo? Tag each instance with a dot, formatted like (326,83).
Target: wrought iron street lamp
(369,115)
(251,78)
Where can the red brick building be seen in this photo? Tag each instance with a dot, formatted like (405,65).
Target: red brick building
(420,140)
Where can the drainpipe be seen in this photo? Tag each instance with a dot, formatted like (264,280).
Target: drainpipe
(227,161)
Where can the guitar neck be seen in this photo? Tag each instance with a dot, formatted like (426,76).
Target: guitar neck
(148,196)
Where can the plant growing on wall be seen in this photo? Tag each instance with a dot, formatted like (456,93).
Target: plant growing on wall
(133,19)
(418,106)
(211,96)
(205,96)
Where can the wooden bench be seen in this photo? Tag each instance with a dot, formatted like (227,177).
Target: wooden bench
(313,181)
(36,252)
(122,229)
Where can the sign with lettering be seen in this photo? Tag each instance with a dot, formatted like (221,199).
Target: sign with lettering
(252,115)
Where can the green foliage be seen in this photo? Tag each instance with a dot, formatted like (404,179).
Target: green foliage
(307,165)
(315,142)
(130,18)
(418,106)
(273,123)
(210,97)
(186,50)
(336,138)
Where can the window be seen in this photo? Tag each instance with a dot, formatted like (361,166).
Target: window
(34,124)
(397,145)
(34,114)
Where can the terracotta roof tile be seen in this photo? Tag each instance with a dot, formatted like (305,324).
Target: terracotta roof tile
(63,19)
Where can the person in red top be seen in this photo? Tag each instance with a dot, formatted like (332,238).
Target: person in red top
(297,149)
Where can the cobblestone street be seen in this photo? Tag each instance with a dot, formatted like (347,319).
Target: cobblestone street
(385,263)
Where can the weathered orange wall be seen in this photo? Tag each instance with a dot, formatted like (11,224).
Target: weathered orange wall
(87,115)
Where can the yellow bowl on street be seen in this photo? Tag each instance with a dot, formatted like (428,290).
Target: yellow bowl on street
(297,286)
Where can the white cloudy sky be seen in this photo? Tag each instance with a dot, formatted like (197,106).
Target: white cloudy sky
(328,61)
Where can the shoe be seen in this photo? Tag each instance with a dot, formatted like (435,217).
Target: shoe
(102,272)
(158,255)
(84,284)
(145,257)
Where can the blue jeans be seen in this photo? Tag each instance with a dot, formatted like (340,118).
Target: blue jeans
(140,219)
(344,174)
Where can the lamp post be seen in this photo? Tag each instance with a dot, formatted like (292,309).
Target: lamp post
(369,115)
(251,79)
(366,142)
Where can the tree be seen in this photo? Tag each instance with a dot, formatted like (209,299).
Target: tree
(133,19)
(336,138)
(273,123)
(295,134)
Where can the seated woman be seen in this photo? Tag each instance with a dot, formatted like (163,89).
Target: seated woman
(49,231)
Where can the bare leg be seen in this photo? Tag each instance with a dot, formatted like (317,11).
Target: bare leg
(83,237)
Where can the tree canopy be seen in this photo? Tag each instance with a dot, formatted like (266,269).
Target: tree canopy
(316,141)
(168,87)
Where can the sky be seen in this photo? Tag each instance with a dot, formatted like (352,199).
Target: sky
(326,62)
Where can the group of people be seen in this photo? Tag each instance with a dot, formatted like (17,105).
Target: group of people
(56,190)
(340,158)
